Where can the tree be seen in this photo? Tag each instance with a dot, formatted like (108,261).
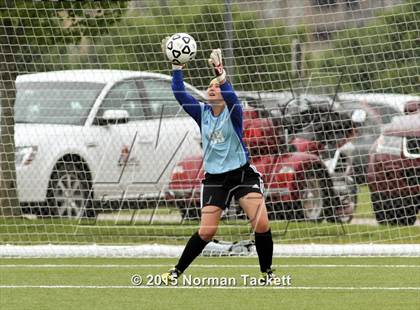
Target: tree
(261,50)
(382,56)
(30,31)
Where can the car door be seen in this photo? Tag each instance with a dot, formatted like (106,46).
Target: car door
(115,141)
(167,136)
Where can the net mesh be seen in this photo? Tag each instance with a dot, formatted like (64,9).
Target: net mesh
(96,149)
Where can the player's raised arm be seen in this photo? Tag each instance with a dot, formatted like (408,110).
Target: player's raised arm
(229,95)
(188,102)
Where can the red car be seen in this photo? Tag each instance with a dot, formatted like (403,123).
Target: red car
(394,172)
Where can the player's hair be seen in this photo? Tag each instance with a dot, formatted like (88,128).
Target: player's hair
(214,81)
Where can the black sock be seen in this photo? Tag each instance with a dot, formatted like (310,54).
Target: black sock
(264,246)
(193,248)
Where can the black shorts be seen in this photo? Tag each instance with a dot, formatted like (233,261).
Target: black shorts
(218,189)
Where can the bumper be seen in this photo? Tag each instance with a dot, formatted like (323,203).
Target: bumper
(32,184)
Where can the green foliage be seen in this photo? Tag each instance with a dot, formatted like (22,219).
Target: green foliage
(261,52)
(381,57)
(39,31)
(55,35)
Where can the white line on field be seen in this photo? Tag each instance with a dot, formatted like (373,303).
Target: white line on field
(197,266)
(343,288)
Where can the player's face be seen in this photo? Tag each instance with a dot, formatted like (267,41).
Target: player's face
(214,93)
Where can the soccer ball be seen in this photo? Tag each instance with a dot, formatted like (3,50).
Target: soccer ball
(180,48)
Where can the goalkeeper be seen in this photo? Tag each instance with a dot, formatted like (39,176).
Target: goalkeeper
(226,163)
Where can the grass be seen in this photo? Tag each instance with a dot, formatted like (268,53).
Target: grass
(364,204)
(123,231)
(61,231)
(105,283)
(316,283)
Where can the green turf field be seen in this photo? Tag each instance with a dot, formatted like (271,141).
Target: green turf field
(126,231)
(316,283)
(67,231)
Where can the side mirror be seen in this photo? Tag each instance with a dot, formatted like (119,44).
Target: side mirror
(358,116)
(115,116)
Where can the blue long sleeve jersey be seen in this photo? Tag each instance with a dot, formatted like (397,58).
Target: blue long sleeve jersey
(223,146)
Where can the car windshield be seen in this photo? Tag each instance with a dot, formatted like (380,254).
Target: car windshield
(55,102)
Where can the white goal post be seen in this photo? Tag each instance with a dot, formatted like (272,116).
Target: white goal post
(99,159)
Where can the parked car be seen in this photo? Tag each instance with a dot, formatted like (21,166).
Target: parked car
(380,109)
(394,172)
(85,136)
(389,105)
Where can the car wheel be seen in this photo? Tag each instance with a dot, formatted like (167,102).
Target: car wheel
(277,210)
(69,191)
(344,214)
(406,213)
(383,209)
(394,211)
(313,194)
(344,206)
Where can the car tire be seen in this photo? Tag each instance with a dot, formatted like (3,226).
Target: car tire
(343,208)
(394,211)
(69,191)
(383,209)
(277,210)
(406,212)
(314,193)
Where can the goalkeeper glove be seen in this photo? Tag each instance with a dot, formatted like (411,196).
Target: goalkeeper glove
(163,46)
(216,63)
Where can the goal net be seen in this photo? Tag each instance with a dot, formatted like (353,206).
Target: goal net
(99,159)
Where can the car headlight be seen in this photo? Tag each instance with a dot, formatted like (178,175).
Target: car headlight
(25,155)
(389,145)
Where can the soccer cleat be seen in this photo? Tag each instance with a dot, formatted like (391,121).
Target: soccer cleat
(268,277)
(171,277)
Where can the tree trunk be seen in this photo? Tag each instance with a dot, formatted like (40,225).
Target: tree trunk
(9,203)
